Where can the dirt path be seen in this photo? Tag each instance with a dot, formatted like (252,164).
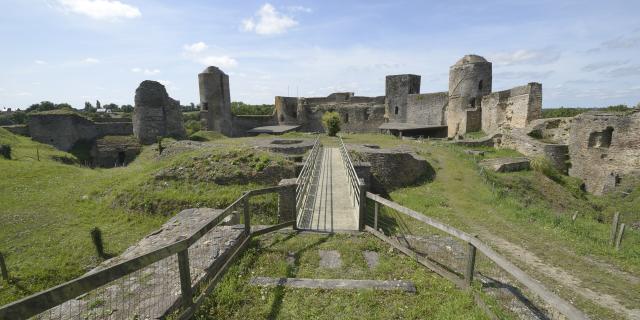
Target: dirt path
(560,275)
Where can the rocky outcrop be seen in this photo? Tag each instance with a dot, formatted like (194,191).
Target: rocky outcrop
(156,114)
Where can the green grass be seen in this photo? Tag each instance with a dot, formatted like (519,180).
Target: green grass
(234,298)
(48,209)
(530,210)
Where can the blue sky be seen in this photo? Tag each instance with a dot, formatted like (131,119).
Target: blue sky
(585,53)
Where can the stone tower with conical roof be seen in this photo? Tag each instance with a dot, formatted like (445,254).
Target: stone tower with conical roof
(469,80)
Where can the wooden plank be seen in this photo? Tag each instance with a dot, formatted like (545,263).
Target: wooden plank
(247,216)
(185,278)
(262,191)
(614,228)
(551,298)
(272,228)
(3,268)
(424,261)
(45,300)
(620,234)
(385,285)
(471,264)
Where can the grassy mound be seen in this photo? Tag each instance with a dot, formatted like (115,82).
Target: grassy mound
(49,208)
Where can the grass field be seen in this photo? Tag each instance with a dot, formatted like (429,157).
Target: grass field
(234,298)
(48,208)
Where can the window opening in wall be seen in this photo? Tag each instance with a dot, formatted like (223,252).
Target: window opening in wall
(346,118)
(205,106)
(366,114)
(396,110)
(121,157)
(601,139)
(472,102)
(480,85)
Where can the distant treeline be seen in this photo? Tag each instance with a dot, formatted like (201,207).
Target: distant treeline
(572,112)
(242,109)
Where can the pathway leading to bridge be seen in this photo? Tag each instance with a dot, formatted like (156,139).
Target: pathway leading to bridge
(330,206)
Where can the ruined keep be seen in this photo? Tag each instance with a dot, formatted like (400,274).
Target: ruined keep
(215,100)
(156,114)
(604,148)
(469,80)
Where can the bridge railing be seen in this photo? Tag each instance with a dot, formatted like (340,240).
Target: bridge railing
(175,278)
(305,178)
(452,253)
(356,186)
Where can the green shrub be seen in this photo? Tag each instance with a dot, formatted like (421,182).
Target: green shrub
(544,166)
(5,151)
(331,122)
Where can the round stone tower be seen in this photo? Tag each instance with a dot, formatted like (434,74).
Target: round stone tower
(215,100)
(469,80)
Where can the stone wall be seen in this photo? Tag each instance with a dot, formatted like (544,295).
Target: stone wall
(551,129)
(358,114)
(513,108)
(427,109)
(19,129)
(397,89)
(392,168)
(244,123)
(604,148)
(156,114)
(115,151)
(521,141)
(61,130)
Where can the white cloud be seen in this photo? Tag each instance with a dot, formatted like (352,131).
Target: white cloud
(101,9)
(196,47)
(268,21)
(524,56)
(148,72)
(299,9)
(40,62)
(91,60)
(198,52)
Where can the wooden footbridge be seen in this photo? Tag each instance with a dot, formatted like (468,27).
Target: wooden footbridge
(177,277)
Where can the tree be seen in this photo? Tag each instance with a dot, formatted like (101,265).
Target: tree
(331,122)
(97,104)
(111,106)
(126,108)
(88,107)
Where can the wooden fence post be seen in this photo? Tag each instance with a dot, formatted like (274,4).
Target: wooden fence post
(247,221)
(619,238)
(3,268)
(185,278)
(614,227)
(375,215)
(471,264)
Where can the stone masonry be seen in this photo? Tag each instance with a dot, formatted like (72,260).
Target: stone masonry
(156,114)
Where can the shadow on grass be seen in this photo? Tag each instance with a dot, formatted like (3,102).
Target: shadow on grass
(276,306)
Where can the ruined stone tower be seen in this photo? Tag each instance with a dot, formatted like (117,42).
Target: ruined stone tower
(215,100)
(156,114)
(397,88)
(469,80)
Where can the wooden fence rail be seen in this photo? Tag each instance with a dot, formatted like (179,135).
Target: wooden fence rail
(549,297)
(45,300)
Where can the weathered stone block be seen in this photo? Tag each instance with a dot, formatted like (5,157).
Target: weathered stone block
(506,164)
